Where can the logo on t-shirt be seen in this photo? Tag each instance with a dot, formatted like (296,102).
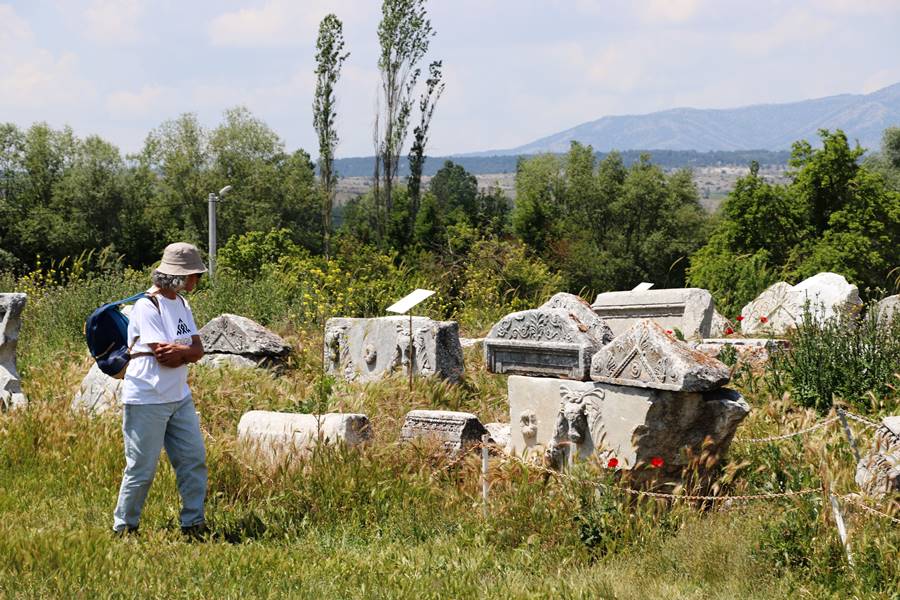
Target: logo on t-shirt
(182,329)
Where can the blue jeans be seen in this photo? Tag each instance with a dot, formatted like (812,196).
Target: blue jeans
(146,429)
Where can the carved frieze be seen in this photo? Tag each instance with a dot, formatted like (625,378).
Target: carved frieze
(555,340)
(455,430)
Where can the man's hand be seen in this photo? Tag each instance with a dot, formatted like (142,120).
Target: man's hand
(171,355)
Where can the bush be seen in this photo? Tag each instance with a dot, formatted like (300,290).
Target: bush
(856,359)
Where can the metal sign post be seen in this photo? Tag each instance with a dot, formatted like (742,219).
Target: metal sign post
(403,306)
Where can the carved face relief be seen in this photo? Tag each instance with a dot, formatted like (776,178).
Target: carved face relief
(370,355)
(528,423)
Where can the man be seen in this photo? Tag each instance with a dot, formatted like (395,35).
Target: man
(158,410)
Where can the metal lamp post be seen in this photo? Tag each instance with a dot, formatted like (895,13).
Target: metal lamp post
(213,198)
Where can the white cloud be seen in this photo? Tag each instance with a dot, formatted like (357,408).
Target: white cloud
(673,11)
(114,21)
(795,27)
(277,23)
(862,7)
(147,101)
(881,79)
(33,78)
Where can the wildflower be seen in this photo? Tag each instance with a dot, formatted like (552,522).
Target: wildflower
(740,318)
(656,461)
(668,332)
(763,319)
(729,331)
(613,463)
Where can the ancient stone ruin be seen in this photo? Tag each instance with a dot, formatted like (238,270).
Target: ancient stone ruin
(690,310)
(11,306)
(888,309)
(557,339)
(241,342)
(456,431)
(781,306)
(878,473)
(753,352)
(652,399)
(276,436)
(98,393)
(371,349)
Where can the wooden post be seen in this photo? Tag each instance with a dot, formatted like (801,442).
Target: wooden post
(842,530)
(848,433)
(485,484)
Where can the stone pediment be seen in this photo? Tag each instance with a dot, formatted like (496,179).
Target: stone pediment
(646,356)
(234,334)
(557,339)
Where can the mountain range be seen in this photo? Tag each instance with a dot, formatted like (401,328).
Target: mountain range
(863,117)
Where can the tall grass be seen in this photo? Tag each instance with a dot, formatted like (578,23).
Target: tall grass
(394,520)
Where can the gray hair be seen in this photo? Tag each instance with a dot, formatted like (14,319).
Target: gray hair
(165,281)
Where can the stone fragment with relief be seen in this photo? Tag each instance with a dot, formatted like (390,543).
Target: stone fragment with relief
(11,395)
(456,431)
(647,356)
(555,340)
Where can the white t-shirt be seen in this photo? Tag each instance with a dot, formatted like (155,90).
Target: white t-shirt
(146,381)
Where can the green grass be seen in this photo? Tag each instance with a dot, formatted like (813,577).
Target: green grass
(403,521)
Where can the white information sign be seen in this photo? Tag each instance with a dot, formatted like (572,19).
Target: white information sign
(642,286)
(403,305)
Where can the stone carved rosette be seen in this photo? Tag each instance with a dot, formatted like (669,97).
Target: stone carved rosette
(555,340)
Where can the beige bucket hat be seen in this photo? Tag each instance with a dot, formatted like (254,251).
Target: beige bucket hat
(181,258)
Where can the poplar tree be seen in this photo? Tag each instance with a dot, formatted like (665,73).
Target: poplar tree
(434,87)
(329,58)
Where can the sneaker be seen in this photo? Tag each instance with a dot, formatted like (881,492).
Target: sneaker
(125,532)
(199,532)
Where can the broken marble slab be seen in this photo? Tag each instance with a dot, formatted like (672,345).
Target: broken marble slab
(555,340)
(646,356)
(277,435)
(878,473)
(499,433)
(632,425)
(229,336)
(11,307)
(456,431)
(720,326)
(98,394)
(690,310)
(370,349)
(780,307)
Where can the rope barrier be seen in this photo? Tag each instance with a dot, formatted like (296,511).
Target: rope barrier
(850,499)
(867,422)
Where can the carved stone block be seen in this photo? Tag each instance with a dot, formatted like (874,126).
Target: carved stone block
(754,352)
(11,306)
(887,310)
(371,349)
(455,430)
(275,435)
(646,356)
(878,473)
(633,425)
(690,310)
(555,340)
(229,336)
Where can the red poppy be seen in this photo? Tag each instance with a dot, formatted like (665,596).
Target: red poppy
(740,318)
(763,319)
(669,331)
(613,463)
(729,331)
(656,461)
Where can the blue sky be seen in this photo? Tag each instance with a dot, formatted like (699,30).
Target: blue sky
(515,69)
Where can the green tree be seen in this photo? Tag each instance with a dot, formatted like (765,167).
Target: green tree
(434,87)
(330,57)
(404,34)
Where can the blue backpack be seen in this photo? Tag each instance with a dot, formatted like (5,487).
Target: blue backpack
(106,332)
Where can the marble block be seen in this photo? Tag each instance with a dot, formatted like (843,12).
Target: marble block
(11,307)
(555,340)
(632,425)
(276,435)
(646,356)
(455,430)
(690,310)
(371,349)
